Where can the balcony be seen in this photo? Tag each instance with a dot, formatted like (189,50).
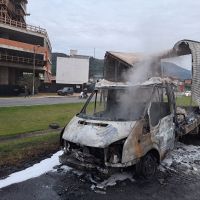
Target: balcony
(21,60)
(25,26)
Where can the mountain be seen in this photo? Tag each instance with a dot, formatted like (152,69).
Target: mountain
(173,70)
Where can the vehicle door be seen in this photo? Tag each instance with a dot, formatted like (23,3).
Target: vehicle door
(161,114)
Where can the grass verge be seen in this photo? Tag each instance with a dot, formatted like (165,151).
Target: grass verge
(185,101)
(16,154)
(23,152)
(19,120)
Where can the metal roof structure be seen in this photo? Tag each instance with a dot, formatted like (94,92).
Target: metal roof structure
(152,81)
(182,47)
(185,47)
(128,58)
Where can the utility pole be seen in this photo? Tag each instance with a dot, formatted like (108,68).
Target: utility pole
(33,88)
(94,52)
(34,55)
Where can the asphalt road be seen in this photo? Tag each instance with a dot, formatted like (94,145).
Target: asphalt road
(67,185)
(21,101)
(179,182)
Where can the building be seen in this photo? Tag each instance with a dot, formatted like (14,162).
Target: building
(54,61)
(74,70)
(24,49)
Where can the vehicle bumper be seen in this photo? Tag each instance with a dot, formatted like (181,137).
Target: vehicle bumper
(70,161)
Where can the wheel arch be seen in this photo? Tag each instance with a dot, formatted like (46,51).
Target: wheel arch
(155,153)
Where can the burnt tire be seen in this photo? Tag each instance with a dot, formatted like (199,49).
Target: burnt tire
(147,166)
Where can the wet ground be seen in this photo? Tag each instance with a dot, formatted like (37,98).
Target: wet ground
(67,185)
(178,178)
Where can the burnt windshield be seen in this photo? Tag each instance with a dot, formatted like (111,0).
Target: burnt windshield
(127,104)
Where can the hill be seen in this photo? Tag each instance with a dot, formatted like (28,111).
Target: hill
(173,70)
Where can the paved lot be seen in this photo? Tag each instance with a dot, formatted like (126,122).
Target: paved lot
(21,101)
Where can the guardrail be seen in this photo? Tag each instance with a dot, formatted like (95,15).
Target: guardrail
(21,60)
(7,20)
(23,26)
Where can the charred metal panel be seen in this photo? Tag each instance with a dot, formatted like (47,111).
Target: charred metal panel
(89,134)
(163,134)
(132,147)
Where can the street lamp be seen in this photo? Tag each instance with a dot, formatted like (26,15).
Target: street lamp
(35,48)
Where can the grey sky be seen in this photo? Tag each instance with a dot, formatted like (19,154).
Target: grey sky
(183,61)
(129,25)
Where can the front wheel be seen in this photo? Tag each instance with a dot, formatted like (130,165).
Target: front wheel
(147,166)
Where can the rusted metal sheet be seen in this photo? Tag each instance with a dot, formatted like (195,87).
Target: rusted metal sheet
(129,58)
(137,144)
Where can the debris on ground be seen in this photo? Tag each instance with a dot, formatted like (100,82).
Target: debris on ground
(184,158)
(113,179)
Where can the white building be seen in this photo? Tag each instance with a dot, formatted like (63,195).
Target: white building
(72,70)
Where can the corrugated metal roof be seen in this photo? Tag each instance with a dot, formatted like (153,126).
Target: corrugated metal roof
(129,58)
(195,51)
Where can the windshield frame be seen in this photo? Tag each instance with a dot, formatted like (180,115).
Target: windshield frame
(83,114)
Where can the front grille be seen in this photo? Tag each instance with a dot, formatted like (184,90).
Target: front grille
(96,154)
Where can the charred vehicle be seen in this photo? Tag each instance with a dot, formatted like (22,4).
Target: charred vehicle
(122,125)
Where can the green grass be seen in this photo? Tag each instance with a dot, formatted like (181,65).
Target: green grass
(14,145)
(19,150)
(184,101)
(19,120)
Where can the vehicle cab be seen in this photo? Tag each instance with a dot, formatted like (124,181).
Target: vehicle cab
(122,125)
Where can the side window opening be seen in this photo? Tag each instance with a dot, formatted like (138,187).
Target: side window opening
(159,106)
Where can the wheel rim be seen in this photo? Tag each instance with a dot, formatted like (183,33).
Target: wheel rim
(149,166)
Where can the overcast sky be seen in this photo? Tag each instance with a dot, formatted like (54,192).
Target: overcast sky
(128,26)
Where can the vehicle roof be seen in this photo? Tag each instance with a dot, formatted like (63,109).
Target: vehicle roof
(151,82)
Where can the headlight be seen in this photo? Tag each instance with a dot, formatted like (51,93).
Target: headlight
(114,153)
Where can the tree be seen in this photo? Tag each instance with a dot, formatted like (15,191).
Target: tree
(27,79)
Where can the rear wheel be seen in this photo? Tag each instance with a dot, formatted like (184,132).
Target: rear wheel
(147,166)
